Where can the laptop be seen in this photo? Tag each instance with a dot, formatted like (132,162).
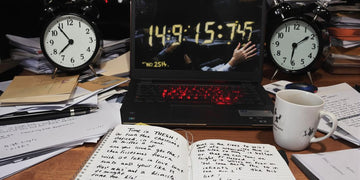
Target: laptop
(179,64)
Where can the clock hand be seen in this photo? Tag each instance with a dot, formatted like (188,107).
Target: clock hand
(306,38)
(70,42)
(63,33)
(294,45)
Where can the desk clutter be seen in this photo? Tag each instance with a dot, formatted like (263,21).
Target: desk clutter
(41,117)
(345,40)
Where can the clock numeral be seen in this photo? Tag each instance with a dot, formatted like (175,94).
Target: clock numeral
(296,26)
(62,57)
(51,42)
(310,55)
(69,22)
(91,40)
(161,35)
(210,32)
(54,33)
(312,36)
(280,35)
(278,52)
(72,60)
(248,27)
(292,63)
(313,46)
(277,43)
(61,26)
(82,56)
(302,61)
(55,51)
(88,49)
(79,24)
(284,60)
(287,28)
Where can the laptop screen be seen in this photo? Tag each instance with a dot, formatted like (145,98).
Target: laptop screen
(197,39)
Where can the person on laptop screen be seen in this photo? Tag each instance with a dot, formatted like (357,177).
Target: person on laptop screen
(240,55)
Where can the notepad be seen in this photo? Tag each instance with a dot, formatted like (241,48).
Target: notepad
(156,153)
(335,165)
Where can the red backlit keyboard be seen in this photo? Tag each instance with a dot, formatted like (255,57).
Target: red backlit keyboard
(198,94)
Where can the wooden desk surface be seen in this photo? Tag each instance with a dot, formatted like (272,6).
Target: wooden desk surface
(67,164)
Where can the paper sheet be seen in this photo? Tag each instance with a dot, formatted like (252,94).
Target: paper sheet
(343,164)
(344,102)
(15,140)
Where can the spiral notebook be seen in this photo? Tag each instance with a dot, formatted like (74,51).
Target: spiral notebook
(157,153)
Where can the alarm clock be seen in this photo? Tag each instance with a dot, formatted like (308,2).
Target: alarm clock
(71,40)
(297,43)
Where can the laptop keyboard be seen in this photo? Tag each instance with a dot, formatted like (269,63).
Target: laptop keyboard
(199,94)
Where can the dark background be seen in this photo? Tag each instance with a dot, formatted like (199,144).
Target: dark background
(23,18)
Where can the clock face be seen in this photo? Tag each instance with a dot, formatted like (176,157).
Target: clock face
(294,45)
(70,42)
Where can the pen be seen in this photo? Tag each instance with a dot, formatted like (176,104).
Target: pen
(47,115)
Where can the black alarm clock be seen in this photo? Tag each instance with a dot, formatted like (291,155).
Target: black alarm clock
(297,42)
(71,40)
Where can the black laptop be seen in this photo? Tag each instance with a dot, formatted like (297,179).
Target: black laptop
(180,72)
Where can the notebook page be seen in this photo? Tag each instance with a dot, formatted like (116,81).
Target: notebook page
(221,159)
(138,152)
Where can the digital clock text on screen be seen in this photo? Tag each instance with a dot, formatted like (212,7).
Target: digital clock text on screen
(200,33)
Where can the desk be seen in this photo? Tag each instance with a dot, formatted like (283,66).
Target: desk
(67,164)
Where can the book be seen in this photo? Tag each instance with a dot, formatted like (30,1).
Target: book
(342,164)
(151,152)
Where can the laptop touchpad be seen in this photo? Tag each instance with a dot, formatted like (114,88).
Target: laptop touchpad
(196,115)
(186,114)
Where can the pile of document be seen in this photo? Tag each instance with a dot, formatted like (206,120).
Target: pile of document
(343,101)
(25,141)
(28,52)
(344,29)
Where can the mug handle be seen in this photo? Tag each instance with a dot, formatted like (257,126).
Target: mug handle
(334,121)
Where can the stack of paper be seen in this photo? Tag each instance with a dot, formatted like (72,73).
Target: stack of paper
(26,143)
(344,29)
(20,143)
(343,101)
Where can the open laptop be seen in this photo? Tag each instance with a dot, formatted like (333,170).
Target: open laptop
(179,72)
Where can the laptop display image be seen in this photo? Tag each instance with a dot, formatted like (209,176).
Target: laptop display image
(186,70)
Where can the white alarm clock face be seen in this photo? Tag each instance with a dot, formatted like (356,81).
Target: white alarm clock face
(71,42)
(294,45)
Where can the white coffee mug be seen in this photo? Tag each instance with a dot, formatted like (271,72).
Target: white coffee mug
(296,118)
